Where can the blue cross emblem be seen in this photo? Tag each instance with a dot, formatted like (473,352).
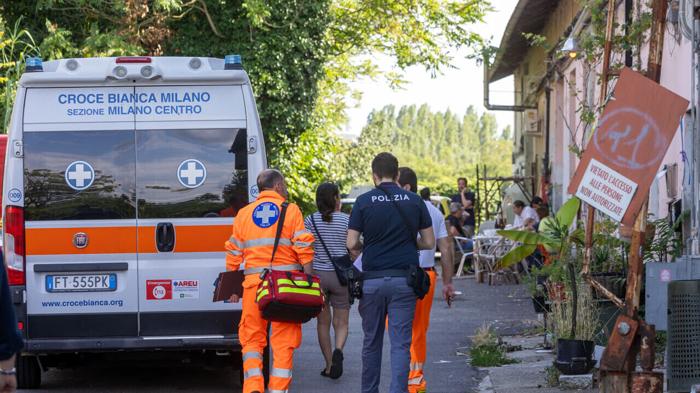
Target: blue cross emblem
(80,175)
(266,214)
(191,173)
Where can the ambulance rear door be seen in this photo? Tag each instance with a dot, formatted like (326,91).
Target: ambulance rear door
(191,179)
(80,213)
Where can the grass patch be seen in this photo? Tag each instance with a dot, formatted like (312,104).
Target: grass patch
(552,376)
(487,349)
(489,356)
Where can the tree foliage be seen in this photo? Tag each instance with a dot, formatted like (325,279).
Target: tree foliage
(440,146)
(300,55)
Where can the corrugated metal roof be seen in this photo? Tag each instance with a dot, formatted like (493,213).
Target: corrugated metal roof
(529,16)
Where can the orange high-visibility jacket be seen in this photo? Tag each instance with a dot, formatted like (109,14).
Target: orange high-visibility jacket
(254,232)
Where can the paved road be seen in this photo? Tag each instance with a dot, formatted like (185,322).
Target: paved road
(446,372)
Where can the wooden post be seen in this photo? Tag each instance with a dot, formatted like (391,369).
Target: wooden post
(612,381)
(605,74)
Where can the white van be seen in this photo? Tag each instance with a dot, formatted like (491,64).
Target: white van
(122,178)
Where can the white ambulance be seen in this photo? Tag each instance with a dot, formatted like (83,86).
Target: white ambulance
(122,179)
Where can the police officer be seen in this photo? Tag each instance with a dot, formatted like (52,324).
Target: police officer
(389,249)
(416,379)
(252,241)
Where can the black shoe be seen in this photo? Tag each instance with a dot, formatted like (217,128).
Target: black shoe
(337,364)
(325,374)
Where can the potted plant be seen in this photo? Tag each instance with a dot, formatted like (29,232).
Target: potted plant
(574,349)
(574,334)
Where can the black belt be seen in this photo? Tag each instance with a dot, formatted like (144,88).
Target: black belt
(368,275)
(429,269)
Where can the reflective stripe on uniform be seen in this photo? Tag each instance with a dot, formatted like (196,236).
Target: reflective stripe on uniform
(277,391)
(253,372)
(251,355)
(416,366)
(265,241)
(301,232)
(235,241)
(281,373)
(303,244)
(282,268)
(415,381)
(235,253)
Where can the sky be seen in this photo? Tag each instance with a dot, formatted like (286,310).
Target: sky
(455,88)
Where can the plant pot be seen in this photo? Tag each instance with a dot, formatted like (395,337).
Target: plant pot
(540,304)
(574,357)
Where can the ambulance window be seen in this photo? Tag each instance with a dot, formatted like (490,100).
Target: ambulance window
(99,183)
(191,173)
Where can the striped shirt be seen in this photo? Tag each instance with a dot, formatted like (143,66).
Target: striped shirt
(334,235)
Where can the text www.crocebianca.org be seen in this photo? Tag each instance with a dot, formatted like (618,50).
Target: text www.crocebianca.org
(85,303)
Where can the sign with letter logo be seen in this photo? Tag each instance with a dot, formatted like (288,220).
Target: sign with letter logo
(159,289)
(185,289)
(622,157)
(266,214)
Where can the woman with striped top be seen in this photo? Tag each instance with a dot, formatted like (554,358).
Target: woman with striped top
(330,225)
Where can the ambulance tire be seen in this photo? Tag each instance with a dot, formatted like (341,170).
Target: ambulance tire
(28,372)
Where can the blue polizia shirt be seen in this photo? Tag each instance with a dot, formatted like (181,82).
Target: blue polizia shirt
(386,240)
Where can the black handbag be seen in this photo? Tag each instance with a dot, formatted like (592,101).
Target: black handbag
(341,264)
(416,277)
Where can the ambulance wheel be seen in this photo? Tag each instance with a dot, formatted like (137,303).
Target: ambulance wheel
(28,372)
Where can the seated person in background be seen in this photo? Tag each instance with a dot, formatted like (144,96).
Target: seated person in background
(455,222)
(536,202)
(468,200)
(525,216)
(542,212)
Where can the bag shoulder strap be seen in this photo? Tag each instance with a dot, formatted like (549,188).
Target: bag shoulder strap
(318,234)
(278,234)
(409,229)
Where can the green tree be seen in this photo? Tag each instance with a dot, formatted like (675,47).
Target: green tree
(300,55)
(440,146)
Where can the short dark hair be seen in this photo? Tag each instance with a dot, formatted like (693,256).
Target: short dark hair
(425,193)
(519,203)
(536,200)
(408,176)
(385,165)
(268,178)
(542,211)
(462,178)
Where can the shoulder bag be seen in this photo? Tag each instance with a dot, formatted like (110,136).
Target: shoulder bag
(416,277)
(287,296)
(340,263)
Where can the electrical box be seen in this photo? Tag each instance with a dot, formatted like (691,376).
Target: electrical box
(531,122)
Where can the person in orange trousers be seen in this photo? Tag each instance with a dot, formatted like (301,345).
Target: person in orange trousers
(252,241)
(421,320)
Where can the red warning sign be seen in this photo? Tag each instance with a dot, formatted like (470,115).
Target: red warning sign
(159,289)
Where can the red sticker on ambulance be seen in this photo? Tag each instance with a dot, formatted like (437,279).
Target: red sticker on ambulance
(159,289)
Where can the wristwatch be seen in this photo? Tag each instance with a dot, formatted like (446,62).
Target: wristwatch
(12,371)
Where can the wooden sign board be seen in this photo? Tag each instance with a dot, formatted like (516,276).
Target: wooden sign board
(625,152)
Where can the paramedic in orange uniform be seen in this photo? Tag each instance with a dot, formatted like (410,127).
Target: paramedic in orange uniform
(421,320)
(252,241)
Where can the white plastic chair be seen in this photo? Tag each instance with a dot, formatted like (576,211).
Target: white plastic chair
(465,254)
